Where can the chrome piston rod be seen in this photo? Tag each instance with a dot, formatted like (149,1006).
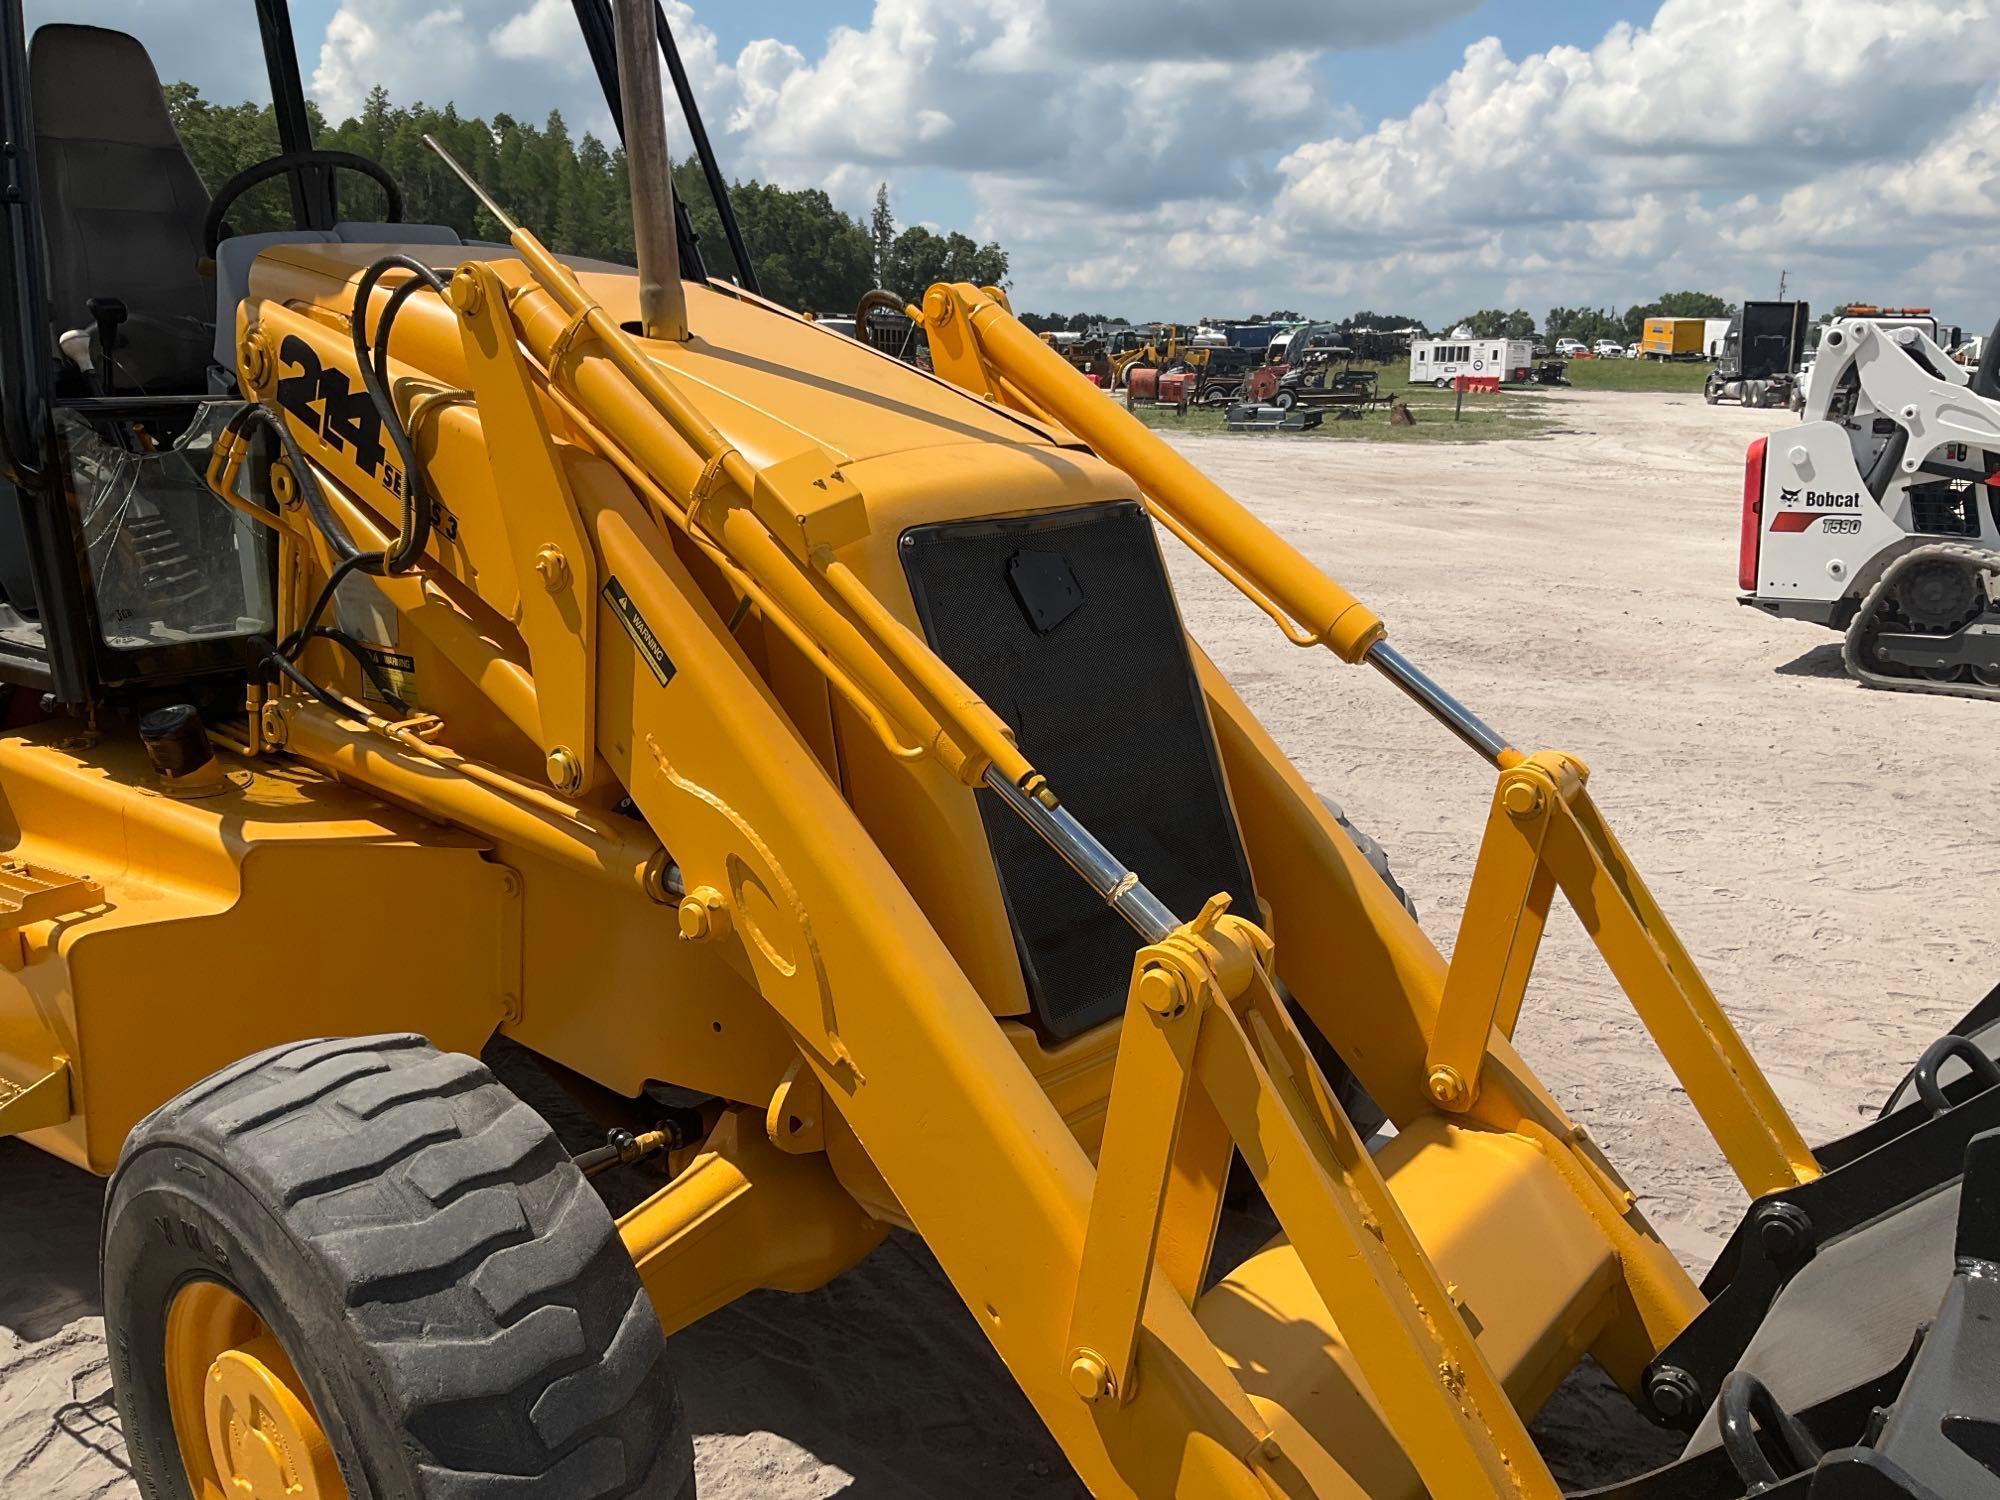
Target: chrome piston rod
(1126,894)
(1446,709)
(1122,890)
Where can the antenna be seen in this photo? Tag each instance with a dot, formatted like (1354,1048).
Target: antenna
(506,219)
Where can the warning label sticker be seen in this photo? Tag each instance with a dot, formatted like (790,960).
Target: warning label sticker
(650,649)
(387,671)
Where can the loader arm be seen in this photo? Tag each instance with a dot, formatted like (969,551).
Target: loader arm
(607,537)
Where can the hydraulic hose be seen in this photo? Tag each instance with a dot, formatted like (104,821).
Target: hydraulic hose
(372,363)
(373,366)
(328,524)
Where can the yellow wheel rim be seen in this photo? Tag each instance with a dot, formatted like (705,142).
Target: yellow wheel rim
(246,1427)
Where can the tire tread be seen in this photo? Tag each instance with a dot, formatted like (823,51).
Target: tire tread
(480,1271)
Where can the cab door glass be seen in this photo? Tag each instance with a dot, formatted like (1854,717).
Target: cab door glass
(169,561)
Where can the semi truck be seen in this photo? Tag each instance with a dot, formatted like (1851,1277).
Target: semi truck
(1760,355)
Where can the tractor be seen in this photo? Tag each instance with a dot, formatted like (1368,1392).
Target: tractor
(413,643)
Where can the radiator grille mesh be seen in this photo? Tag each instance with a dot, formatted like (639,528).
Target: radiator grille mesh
(1105,703)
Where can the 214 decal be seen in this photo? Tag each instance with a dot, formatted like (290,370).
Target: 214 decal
(345,419)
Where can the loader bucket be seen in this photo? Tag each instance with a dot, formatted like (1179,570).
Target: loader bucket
(1851,1342)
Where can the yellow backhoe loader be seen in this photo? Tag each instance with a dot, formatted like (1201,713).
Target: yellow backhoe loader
(415,641)
(1158,345)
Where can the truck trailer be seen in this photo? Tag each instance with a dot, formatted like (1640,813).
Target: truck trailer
(1673,338)
(1440,361)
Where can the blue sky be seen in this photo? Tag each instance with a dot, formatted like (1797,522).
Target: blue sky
(1166,158)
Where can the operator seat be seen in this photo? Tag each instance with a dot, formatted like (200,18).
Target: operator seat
(122,206)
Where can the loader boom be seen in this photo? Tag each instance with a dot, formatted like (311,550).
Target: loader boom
(1202,1025)
(801,756)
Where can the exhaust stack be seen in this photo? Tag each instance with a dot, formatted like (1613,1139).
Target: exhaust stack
(662,298)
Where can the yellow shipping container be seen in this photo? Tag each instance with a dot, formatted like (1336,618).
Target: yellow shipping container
(1672,338)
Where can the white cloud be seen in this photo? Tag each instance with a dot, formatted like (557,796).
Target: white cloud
(545,31)
(1165,157)
(1169,157)
(1827,137)
(523,57)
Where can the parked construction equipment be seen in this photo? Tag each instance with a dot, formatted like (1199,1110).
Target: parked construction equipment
(1221,371)
(1879,515)
(1158,345)
(1322,375)
(1145,386)
(802,756)
(1253,416)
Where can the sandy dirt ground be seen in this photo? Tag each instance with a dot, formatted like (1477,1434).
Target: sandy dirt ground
(1821,848)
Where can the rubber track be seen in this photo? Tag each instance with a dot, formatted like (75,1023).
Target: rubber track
(511,1337)
(1985,561)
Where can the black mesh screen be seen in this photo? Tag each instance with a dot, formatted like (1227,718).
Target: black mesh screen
(1064,623)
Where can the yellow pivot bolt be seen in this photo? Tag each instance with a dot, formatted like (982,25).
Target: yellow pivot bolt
(565,770)
(1162,992)
(1447,1087)
(257,364)
(1089,1376)
(554,568)
(1522,799)
(462,291)
(704,915)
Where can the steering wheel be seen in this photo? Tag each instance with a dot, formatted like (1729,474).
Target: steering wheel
(276,166)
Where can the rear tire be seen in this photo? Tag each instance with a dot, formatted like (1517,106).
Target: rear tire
(1363,1113)
(461,1314)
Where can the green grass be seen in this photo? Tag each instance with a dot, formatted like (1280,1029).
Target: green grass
(1638,374)
(1509,414)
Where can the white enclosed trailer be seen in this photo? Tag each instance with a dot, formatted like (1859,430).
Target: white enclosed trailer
(1439,361)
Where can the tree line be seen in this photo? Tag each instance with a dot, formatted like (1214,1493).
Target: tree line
(1591,324)
(572,191)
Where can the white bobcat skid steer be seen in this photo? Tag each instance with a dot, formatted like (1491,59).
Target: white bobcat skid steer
(1879,515)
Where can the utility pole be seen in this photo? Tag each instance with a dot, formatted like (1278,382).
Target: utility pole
(1781,284)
